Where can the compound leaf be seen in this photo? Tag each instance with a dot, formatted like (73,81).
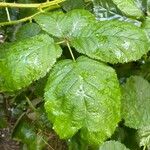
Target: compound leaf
(123,43)
(113,145)
(83,95)
(136,102)
(25,61)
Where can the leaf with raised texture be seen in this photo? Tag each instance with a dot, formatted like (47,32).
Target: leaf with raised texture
(113,145)
(83,95)
(65,25)
(26,61)
(112,41)
(109,41)
(129,7)
(136,102)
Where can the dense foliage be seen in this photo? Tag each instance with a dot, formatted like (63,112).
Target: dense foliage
(75,74)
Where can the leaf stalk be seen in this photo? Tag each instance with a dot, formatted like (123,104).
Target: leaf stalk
(68,45)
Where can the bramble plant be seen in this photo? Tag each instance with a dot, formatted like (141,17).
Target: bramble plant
(78,68)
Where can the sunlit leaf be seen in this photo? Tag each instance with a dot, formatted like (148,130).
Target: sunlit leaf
(85,96)
(25,61)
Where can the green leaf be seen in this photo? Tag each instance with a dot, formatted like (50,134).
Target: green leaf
(72,4)
(146,26)
(136,102)
(64,26)
(28,30)
(25,61)
(144,135)
(83,95)
(76,143)
(107,10)
(129,7)
(113,145)
(25,132)
(122,43)
(112,41)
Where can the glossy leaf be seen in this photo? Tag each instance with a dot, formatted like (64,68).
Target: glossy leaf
(122,43)
(136,102)
(112,41)
(25,61)
(65,26)
(113,145)
(85,96)
(129,7)
(107,10)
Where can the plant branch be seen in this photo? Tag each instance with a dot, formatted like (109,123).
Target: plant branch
(27,18)
(39,5)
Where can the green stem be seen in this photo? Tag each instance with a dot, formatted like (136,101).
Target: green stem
(39,5)
(31,105)
(27,18)
(8,15)
(61,42)
(70,51)
(144,148)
